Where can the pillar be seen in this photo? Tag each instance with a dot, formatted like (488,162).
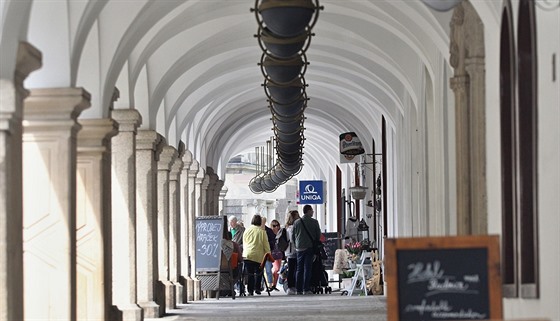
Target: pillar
(218,198)
(204,184)
(148,147)
(123,223)
(186,221)
(166,159)
(223,193)
(197,212)
(93,218)
(191,215)
(174,226)
(477,105)
(49,197)
(11,190)
(459,84)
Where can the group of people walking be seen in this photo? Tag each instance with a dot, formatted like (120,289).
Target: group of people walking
(259,241)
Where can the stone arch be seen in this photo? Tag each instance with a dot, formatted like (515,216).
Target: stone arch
(468,82)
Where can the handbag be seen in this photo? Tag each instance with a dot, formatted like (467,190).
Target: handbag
(318,246)
(277,254)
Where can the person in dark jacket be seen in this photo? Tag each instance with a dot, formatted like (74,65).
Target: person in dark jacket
(306,233)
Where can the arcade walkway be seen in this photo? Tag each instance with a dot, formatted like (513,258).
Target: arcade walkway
(283,307)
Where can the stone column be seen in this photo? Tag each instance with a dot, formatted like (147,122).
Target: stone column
(11,190)
(197,212)
(218,198)
(477,103)
(184,235)
(93,210)
(123,181)
(174,226)
(148,147)
(223,193)
(191,215)
(210,192)
(166,159)
(49,198)
(459,84)
(204,183)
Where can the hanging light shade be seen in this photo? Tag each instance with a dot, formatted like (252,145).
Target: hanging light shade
(441,5)
(280,47)
(285,94)
(282,71)
(288,110)
(287,18)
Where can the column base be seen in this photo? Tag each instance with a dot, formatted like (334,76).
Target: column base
(190,289)
(127,312)
(159,297)
(178,293)
(151,309)
(196,290)
(169,295)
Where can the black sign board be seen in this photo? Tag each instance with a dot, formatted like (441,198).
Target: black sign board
(332,243)
(209,234)
(443,278)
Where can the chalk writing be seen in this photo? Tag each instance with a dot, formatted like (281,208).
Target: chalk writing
(208,243)
(421,272)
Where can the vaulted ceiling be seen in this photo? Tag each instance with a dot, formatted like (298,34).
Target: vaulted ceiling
(190,67)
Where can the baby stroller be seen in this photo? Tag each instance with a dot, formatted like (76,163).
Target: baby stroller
(319,277)
(283,276)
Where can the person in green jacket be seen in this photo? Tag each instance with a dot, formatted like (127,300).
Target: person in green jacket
(255,246)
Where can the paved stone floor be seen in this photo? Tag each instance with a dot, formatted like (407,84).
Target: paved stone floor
(280,306)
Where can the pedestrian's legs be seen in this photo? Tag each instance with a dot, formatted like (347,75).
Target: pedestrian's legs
(253,276)
(300,271)
(268,268)
(292,268)
(307,266)
(276,265)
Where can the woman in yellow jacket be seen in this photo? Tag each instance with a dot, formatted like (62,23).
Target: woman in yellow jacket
(255,246)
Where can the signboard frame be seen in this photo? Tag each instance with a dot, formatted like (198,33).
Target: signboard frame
(488,242)
(221,220)
(332,243)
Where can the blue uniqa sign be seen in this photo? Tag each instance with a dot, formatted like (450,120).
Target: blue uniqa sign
(311,192)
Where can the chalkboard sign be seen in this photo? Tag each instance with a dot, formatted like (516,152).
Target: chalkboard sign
(332,243)
(209,234)
(443,278)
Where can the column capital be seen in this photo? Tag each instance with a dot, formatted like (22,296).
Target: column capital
(168,154)
(223,191)
(218,185)
(95,134)
(459,83)
(199,177)
(187,159)
(176,168)
(205,182)
(193,169)
(50,106)
(148,140)
(128,119)
(29,59)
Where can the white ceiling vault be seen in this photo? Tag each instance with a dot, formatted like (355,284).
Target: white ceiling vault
(190,67)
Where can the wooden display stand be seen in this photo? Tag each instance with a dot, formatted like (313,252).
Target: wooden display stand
(450,278)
